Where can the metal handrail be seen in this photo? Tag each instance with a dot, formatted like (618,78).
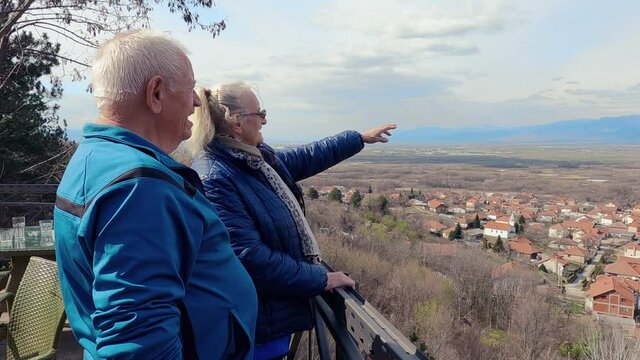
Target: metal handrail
(27,189)
(358,329)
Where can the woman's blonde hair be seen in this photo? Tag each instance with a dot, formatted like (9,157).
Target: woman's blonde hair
(221,106)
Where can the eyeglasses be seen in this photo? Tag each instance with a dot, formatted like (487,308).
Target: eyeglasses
(262,113)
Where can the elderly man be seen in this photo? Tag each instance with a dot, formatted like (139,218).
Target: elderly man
(145,264)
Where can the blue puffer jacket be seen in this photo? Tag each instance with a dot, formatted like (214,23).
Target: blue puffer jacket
(263,232)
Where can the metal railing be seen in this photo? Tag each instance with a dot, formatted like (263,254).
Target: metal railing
(27,189)
(358,329)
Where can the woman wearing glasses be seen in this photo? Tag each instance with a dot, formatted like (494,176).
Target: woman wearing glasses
(253,188)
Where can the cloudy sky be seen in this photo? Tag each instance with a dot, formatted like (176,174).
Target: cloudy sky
(324,66)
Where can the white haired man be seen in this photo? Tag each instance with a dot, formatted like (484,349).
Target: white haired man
(146,267)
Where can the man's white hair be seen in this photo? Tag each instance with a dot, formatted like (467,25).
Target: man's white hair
(124,64)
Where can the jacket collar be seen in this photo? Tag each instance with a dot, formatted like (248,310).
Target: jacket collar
(123,136)
(129,138)
(234,143)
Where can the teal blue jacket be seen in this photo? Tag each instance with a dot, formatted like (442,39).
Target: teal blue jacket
(146,268)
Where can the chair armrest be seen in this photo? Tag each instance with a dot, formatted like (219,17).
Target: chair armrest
(51,355)
(5,295)
(4,325)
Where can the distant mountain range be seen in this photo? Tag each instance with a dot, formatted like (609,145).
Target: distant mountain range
(607,130)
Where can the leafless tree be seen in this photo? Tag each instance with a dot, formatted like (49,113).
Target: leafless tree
(533,326)
(610,342)
(81,21)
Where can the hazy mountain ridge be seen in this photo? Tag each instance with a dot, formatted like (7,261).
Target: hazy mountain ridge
(607,130)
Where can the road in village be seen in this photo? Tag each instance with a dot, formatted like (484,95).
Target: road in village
(574,290)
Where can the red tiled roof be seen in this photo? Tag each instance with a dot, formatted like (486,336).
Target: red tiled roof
(605,284)
(554,257)
(622,268)
(524,248)
(632,246)
(498,226)
(522,239)
(576,251)
(435,225)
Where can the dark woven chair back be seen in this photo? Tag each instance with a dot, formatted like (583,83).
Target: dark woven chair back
(37,314)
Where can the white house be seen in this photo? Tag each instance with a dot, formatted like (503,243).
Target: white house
(632,249)
(495,229)
(554,264)
(606,220)
(558,231)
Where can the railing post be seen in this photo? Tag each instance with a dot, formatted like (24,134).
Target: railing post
(321,336)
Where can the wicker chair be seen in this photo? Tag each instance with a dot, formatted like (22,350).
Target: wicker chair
(37,314)
(6,297)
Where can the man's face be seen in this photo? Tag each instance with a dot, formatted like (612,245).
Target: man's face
(180,103)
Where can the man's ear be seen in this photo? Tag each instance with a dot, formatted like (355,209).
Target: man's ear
(155,93)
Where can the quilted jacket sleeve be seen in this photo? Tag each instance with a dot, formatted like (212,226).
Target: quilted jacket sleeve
(307,160)
(273,272)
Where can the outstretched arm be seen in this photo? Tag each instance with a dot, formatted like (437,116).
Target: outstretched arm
(311,159)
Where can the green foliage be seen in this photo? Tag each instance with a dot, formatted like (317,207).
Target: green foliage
(498,247)
(312,193)
(379,205)
(574,350)
(371,216)
(597,270)
(571,278)
(494,338)
(543,269)
(412,195)
(576,308)
(457,233)
(356,199)
(29,123)
(519,228)
(485,243)
(426,310)
(585,283)
(521,220)
(379,232)
(413,337)
(335,195)
(476,224)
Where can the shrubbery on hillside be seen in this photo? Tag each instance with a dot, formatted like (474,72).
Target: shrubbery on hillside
(453,306)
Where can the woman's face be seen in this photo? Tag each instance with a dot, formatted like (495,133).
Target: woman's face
(250,122)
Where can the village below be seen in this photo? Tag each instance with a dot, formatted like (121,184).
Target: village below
(572,264)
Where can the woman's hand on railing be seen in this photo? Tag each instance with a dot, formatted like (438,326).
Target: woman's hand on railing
(338,279)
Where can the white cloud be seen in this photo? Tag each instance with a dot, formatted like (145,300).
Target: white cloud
(321,67)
